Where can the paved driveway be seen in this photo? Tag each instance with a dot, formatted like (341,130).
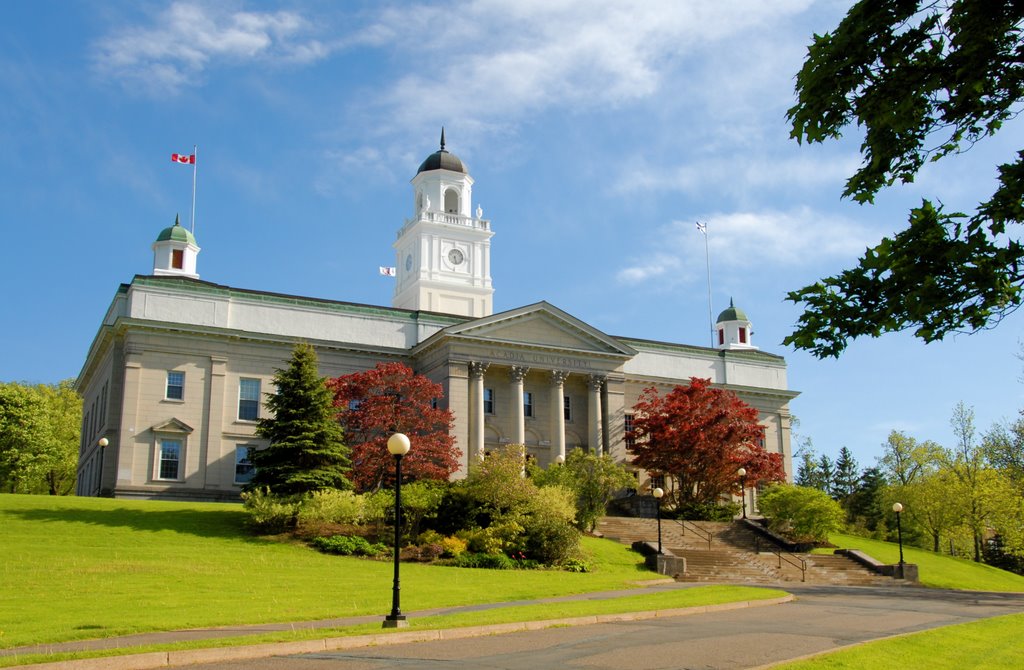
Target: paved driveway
(821,618)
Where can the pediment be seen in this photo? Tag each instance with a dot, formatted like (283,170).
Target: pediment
(539,325)
(173,426)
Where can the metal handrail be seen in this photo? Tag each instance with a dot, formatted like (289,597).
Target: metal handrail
(789,557)
(703,534)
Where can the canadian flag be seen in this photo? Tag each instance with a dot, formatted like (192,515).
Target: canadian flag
(387,272)
(184,158)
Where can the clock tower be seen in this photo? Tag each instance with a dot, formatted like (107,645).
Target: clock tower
(444,250)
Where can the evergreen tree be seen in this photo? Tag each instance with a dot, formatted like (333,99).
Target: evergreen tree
(866,505)
(826,473)
(306,451)
(846,477)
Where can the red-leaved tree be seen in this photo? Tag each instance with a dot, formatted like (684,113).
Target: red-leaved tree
(391,398)
(700,436)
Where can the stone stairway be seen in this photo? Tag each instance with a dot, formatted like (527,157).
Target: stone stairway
(733,557)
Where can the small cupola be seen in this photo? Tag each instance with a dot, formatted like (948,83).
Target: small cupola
(734,329)
(175,252)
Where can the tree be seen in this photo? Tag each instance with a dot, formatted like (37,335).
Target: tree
(390,398)
(1004,449)
(39,437)
(986,497)
(866,505)
(593,480)
(307,452)
(930,504)
(924,80)
(846,476)
(700,436)
(904,459)
(801,514)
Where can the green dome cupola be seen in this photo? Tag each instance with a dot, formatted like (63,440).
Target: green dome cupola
(734,329)
(175,251)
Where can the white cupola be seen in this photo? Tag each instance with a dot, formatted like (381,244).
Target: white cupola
(443,252)
(175,252)
(734,329)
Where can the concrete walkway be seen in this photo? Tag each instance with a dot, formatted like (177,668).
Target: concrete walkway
(738,635)
(170,637)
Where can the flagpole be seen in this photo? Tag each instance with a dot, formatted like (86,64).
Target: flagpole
(195,167)
(703,228)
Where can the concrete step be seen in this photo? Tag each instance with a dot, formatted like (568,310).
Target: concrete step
(733,556)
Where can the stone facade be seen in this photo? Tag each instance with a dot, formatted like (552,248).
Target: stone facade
(176,376)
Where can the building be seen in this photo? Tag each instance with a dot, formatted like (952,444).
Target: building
(174,380)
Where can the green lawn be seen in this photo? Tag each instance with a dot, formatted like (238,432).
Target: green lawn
(991,644)
(936,570)
(76,568)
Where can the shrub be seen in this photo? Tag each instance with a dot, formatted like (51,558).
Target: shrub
(487,561)
(801,514)
(697,511)
(420,501)
(575,565)
(349,545)
(452,547)
(330,506)
(270,513)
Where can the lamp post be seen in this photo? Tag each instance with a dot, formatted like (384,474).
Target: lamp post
(742,472)
(658,493)
(103,448)
(898,507)
(398,446)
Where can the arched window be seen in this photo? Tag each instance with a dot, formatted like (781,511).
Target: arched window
(451,201)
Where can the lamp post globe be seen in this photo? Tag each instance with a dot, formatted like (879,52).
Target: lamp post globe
(742,474)
(102,443)
(398,446)
(658,493)
(897,508)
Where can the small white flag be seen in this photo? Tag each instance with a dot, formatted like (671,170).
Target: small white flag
(388,272)
(702,227)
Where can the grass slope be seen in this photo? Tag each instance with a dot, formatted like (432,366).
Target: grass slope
(936,570)
(992,644)
(75,568)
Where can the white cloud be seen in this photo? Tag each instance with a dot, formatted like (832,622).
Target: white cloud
(493,60)
(769,240)
(186,39)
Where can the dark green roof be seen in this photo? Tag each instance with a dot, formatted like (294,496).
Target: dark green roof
(176,233)
(732,314)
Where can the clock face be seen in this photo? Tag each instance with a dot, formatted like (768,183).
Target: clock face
(455,257)
(408,263)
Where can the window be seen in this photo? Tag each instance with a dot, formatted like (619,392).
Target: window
(248,399)
(743,335)
(244,469)
(628,427)
(527,403)
(170,459)
(175,385)
(657,482)
(488,401)
(567,408)
(721,336)
(177,259)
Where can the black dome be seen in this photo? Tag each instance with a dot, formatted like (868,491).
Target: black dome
(442,160)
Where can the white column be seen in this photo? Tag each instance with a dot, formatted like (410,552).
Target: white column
(558,414)
(476,416)
(594,413)
(516,375)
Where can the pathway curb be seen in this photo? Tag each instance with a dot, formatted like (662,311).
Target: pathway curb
(167,659)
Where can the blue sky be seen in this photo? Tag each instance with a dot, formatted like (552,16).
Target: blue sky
(597,132)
